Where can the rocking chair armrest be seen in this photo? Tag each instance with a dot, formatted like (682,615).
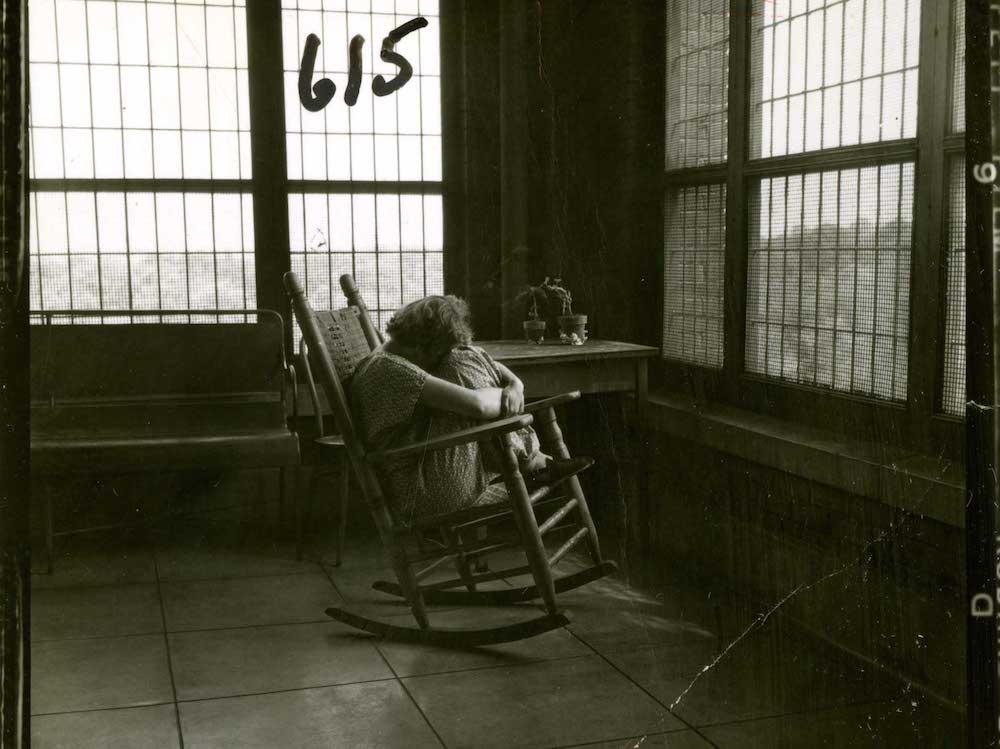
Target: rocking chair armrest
(464,436)
(555,400)
(291,389)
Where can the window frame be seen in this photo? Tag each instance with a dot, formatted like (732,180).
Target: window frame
(269,184)
(917,423)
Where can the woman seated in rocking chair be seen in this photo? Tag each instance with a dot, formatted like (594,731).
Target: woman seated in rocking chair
(427,380)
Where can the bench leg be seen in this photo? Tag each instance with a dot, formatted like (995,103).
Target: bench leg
(345,488)
(300,510)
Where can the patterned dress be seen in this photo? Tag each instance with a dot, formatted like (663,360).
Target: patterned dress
(385,399)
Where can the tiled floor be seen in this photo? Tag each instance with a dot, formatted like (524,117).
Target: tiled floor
(220,642)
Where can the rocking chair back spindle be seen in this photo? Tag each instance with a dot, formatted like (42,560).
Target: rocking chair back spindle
(337,341)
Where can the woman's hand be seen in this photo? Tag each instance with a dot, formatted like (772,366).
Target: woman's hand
(512,399)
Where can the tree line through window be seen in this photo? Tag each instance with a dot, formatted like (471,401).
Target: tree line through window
(142,195)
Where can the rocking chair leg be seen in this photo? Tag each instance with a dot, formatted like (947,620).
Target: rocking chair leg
(408,582)
(534,548)
(548,427)
(453,539)
(583,511)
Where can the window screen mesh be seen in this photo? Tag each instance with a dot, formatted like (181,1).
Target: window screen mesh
(136,90)
(395,137)
(695,243)
(953,386)
(392,244)
(958,66)
(141,251)
(697,82)
(829,279)
(829,74)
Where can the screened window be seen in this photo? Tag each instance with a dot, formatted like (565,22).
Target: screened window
(153,96)
(141,251)
(365,192)
(953,390)
(836,227)
(695,238)
(698,71)
(958,68)
(694,231)
(826,75)
(953,346)
(829,280)
(139,90)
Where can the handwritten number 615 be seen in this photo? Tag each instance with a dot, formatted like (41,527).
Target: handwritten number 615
(317,96)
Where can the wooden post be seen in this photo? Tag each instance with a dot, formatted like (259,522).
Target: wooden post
(15,557)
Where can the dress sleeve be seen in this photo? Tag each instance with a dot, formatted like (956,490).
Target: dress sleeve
(385,394)
(405,381)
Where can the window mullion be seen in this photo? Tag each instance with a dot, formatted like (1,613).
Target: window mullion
(267,143)
(735,265)
(926,252)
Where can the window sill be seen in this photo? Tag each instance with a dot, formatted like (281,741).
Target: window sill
(920,484)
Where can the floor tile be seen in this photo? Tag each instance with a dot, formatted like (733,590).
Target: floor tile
(611,616)
(132,728)
(551,703)
(414,660)
(60,613)
(762,676)
(82,565)
(891,725)
(672,740)
(228,662)
(208,558)
(251,601)
(373,715)
(99,673)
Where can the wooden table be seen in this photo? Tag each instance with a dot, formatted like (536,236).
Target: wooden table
(595,367)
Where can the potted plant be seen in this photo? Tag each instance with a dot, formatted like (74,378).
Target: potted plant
(572,327)
(534,326)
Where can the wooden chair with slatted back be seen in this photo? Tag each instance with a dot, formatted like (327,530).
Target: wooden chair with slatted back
(337,342)
(330,449)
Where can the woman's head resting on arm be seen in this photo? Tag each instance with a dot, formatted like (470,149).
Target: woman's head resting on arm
(426,330)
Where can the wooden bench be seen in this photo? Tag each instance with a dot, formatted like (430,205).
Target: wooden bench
(109,399)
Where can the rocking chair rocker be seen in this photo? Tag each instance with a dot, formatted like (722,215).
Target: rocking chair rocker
(337,342)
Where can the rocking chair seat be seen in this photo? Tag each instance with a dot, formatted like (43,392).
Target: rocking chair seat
(480,512)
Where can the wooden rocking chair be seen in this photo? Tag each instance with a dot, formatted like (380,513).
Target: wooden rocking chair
(337,341)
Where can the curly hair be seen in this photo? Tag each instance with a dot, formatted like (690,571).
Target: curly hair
(434,325)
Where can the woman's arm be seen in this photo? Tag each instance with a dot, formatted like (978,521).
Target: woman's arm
(486,403)
(509,378)
(512,399)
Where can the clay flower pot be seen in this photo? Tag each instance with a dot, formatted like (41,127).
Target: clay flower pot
(573,329)
(534,330)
